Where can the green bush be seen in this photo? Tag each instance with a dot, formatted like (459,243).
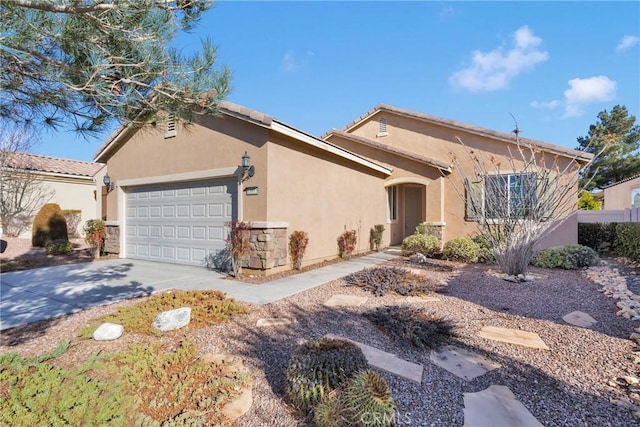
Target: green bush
(318,367)
(426,244)
(49,225)
(569,257)
(627,240)
(485,249)
(59,247)
(461,249)
(598,236)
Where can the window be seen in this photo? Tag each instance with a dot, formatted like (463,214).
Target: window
(171,126)
(392,194)
(502,196)
(382,127)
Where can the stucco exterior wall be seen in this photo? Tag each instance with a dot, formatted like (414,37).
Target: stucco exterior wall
(323,195)
(214,143)
(619,196)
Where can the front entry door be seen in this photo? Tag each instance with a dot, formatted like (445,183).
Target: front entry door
(413,204)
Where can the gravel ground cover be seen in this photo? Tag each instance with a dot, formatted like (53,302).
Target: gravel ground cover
(565,386)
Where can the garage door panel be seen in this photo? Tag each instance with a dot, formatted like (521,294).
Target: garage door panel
(179,223)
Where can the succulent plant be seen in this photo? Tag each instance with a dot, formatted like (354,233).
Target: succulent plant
(367,401)
(318,367)
(330,412)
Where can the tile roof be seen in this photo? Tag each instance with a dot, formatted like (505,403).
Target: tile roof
(57,165)
(556,149)
(623,180)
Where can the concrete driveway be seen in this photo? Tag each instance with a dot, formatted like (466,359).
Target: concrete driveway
(44,293)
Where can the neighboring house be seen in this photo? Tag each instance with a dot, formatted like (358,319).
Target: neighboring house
(623,195)
(176,187)
(69,183)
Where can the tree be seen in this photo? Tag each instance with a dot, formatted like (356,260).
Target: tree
(618,137)
(514,205)
(587,202)
(87,64)
(22,191)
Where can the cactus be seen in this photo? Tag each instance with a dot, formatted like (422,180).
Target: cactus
(319,367)
(330,412)
(367,401)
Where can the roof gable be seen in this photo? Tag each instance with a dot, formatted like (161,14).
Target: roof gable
(53,165)
(580,156)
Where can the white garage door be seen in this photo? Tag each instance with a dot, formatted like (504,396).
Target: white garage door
(179,223)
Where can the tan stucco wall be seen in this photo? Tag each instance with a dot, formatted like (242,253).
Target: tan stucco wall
(218,142)
(619,196)
(440,143)
(70,193)
(323,195)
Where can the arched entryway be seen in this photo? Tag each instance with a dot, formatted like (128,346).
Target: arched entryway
(406,207)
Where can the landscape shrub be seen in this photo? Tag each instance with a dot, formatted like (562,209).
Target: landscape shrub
(383,280)
(412,324)
(367,401)
(598,236)
(73,218)
(298,241)
(425,244)
(627,240)
(94,234)
(425,228)
(485,249)
(568,257)
(59,247)
(375,237)
(462,249)
(318,367)
(238,244)
(48,225)
(347,243)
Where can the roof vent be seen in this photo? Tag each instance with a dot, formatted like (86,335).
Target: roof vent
(382,127)
(171,126)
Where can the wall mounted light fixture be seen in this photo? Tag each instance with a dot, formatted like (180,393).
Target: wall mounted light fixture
(106,180)
(248,170)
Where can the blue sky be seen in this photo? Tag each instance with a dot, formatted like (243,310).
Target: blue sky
(319,65)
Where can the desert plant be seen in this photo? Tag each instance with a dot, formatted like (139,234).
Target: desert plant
(367,400)
(238,244)
(627,240)
(94,234)
(412,324)
(298,242)
(425,244)
(73,218)
(347,243)
(383,280)
(330,412)
(568,257)
(318,367)
(462,249)
(375,237)
(49,225)
(59,247)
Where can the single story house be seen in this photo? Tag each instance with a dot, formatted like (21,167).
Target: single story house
(623,195)
(69,183)
(176,186)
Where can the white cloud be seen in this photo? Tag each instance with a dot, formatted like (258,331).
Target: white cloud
(446,13)
(494,70)
(627,42)
(580,93)
(291,62)
(587,91)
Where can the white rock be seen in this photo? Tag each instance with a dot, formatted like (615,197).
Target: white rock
(108,331)
(172,319)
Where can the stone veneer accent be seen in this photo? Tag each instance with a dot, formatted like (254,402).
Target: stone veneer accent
(437,229)
(112,238)
(268,242)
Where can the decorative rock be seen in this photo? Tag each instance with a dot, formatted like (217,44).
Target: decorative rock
(496,406)
(615,286)
(635,337)
(341,300)
(108,331)
(462,363)
(417,300)
(631,380)
(172,319)
(578,318)
(513,336)
(418,258)
(230,365)
(273,321)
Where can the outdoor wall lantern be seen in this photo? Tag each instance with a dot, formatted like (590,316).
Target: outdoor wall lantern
(248,170)
(107,183)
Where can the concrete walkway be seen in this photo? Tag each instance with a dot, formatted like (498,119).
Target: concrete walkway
(44,293)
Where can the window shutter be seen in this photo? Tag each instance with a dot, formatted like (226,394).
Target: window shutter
(473,199)
(546,194)
(171,126)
